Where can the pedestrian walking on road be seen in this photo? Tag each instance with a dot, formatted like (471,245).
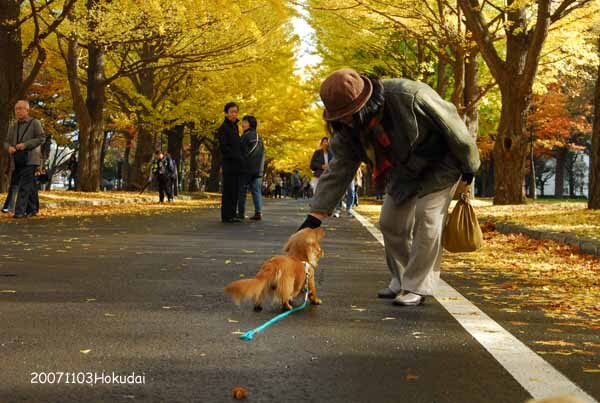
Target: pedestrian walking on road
(72,166)
(418,148)
(278,182)
(296,182)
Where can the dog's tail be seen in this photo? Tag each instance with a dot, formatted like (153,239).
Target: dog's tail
(248,289)
(254,289)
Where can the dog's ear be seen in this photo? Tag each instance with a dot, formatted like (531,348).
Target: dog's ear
(295,245)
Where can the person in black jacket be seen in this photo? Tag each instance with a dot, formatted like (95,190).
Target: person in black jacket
(320,159)
(253,152)
(162,171)
(231,162)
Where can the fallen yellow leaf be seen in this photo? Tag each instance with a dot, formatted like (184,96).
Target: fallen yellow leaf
(84,351)
(555,343)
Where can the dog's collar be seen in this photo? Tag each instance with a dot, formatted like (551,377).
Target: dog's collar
(308,265)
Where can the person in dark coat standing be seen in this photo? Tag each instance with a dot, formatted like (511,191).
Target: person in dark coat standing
(253,152)
(231,163)
(418,148)
(23,143)
(162,170)
(320,161)
(72,166)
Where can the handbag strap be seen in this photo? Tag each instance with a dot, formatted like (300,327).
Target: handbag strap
(255,145)
(24,131)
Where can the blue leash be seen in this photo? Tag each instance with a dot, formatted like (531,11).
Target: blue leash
(249,335)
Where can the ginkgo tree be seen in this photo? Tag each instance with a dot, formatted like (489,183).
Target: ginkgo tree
(110,40)
(523,27)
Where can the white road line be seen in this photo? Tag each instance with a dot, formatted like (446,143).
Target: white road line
(537,376)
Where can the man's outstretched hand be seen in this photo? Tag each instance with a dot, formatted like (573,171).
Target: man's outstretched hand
(310,222)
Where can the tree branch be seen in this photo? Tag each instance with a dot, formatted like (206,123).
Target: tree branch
(477,25)
(538,36)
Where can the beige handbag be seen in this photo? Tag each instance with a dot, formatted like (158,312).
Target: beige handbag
(462,232)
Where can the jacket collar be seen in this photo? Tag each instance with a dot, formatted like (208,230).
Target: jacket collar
(26,120)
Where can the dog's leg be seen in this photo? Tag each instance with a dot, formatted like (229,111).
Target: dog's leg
(285,290)
(312,289)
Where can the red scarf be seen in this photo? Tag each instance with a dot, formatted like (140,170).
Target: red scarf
(378,148)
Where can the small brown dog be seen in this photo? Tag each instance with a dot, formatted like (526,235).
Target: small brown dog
(283,277)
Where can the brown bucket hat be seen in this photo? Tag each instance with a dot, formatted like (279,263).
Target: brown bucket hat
(344,93)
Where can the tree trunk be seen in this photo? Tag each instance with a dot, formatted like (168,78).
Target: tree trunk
(571,161)
(145,144)
(146,140)
(459,80)
(470,93)
(90,140)
(174,148)
(194,150)
(442,77)
(144,150)
(105,142)
(212,184)
(510,148)
(175,144)
(594,188)
(126,167)
(559,176)
(11,76)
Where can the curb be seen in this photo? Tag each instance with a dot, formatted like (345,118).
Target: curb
(586,245)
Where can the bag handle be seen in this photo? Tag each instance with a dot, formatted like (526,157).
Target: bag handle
(466,196)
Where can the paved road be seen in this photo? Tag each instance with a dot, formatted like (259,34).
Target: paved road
(143,293)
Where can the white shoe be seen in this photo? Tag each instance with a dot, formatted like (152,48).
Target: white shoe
(407,298)
(5,210)
(336,214)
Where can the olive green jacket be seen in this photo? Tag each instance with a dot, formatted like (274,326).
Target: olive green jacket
(431,146)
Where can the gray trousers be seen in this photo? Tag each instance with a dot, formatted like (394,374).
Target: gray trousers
(412,233)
